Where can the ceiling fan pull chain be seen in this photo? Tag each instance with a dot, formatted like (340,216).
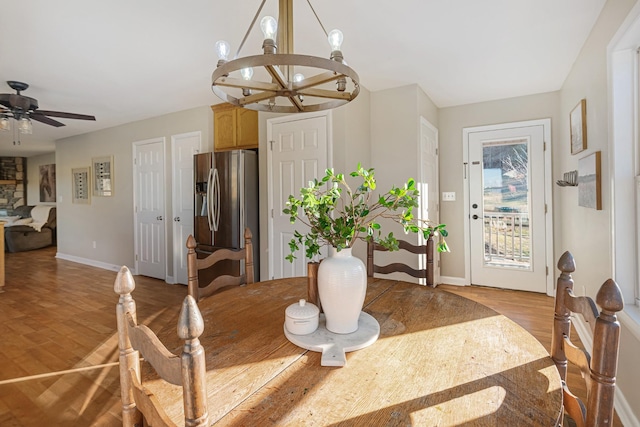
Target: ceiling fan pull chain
(14,136)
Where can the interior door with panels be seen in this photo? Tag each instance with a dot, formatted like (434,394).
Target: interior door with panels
(149,208)
(297,154)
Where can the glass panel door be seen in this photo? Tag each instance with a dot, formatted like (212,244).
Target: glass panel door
(507,208)
(507,234)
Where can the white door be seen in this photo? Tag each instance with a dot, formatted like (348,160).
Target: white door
(183,147)
(507,208)
(149,208)
(297,154)
(428,187)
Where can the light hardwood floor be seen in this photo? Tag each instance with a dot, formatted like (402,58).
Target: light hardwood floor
(58,352)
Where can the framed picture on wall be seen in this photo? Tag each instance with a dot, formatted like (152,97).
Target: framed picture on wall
(102,176)
(80,180)
(589,186)
(578,125)
(47,183)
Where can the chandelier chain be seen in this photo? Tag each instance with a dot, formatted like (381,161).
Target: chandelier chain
(318,18)
(250,27)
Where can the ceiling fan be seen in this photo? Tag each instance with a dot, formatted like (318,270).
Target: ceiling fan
(24,107)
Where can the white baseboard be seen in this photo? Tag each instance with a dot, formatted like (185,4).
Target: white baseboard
(624,410)
(92,262)
(458,281)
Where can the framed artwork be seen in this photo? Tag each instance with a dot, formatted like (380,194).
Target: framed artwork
(81,191)
(578,125)
(589,186)
(102,176)
(47,174)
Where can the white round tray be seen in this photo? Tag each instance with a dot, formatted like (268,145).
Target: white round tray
(335,346)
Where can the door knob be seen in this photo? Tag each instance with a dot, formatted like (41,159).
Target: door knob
(177,219)
(159,218)
(475,217)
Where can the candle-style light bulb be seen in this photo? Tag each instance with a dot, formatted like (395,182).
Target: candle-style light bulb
(223,49)
(269,27)
(297,78)
(247,73)
(5,124)
(24,125)
(335,39)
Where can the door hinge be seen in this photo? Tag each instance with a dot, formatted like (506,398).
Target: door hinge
(271,143)
(436,151)
(136,257)
(547,272)
(544,146)
(545,208)
(271,213)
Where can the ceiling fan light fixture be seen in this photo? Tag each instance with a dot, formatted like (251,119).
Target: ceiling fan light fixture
(276,89)
(5,123)
(24,126)
(22,109)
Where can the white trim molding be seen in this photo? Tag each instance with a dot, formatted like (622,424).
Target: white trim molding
(91,262)
(457,281)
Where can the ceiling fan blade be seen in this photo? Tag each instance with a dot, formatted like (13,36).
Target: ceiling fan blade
(65,115)
(44,119)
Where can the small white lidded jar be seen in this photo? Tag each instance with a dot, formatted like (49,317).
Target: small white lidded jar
(301,318)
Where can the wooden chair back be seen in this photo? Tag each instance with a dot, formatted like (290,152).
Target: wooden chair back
(598,368)
(186,370)
(194,265)
(428,273)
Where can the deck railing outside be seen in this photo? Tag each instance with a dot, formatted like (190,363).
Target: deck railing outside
(507,238)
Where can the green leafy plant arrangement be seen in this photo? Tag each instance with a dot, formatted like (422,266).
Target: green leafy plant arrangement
(338,216)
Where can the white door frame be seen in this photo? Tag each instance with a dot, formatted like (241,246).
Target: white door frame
(278,120)
(436,258)
(135,146)
(548,196)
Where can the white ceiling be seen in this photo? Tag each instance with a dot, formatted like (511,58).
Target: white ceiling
(124,60)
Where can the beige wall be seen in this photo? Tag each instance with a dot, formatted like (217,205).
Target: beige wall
(452,121)
(395,148)
(352,143)
(109,221)
(33,176)
(587,232)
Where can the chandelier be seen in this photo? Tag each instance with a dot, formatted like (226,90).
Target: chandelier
(279,80)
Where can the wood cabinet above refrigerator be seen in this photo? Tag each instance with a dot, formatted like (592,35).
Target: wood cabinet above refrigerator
(234,127)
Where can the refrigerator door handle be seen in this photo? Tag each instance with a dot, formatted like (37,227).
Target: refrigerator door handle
(210,201)
(216,208)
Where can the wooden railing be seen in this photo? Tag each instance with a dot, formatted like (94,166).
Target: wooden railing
(507,237)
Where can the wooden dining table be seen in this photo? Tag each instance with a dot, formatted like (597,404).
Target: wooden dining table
(440,360)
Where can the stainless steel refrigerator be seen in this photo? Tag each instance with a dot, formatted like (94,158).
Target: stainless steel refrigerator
(226,201)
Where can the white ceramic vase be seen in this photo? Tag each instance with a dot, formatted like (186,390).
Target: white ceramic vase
(342,284)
